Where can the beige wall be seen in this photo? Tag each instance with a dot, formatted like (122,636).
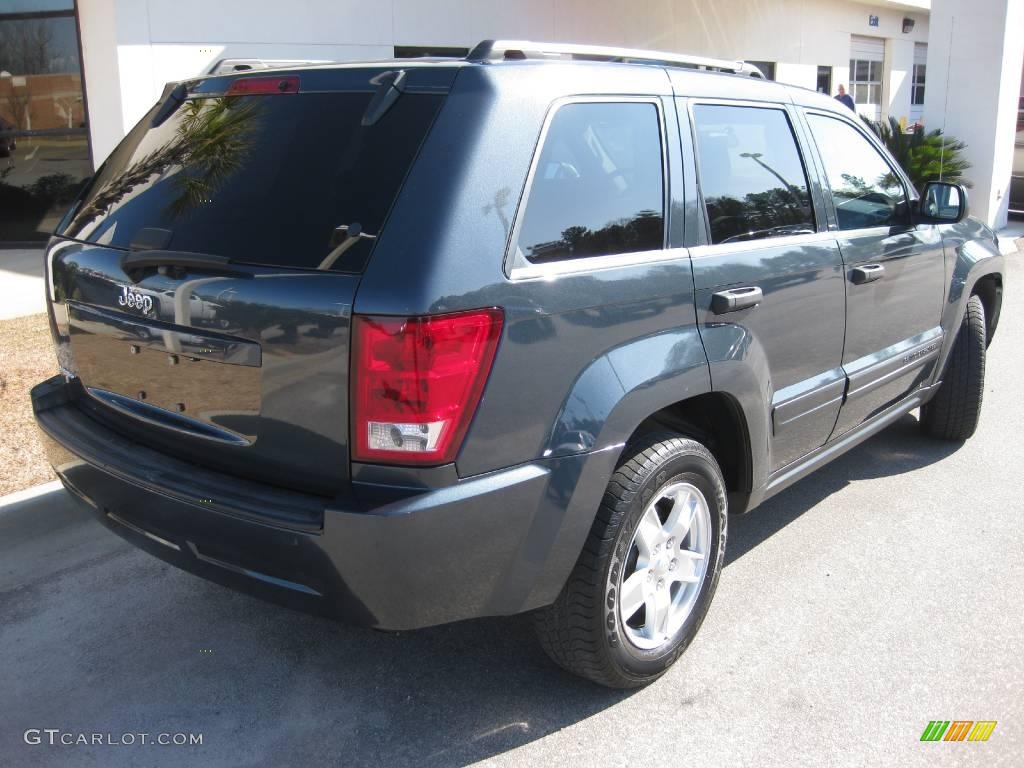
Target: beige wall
(977,102)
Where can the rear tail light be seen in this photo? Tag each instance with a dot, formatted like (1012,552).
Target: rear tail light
(417,382)
(254,86)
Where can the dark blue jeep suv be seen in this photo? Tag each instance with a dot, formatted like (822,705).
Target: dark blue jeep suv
(409,342)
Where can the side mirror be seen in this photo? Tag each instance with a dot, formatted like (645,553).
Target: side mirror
(942,203)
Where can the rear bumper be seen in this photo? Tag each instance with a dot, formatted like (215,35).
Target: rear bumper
(381,556)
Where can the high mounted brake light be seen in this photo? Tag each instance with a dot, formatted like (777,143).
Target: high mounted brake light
(255,86)
(416,383)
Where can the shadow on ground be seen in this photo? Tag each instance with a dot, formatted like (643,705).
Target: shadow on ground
(109,639)
(898,449)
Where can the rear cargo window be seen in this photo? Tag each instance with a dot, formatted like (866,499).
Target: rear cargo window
(597,188)
(259,179)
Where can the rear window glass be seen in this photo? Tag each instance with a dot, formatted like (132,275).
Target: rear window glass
(259,179)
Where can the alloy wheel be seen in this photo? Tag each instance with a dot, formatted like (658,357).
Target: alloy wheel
(665,566)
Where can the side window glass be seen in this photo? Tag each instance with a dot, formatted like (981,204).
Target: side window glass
(598,187)
(751,175)
(865,189)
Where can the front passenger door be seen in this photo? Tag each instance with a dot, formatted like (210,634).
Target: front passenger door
(895,273)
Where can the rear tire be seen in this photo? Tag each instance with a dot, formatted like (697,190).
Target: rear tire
(662,522)
(953,412)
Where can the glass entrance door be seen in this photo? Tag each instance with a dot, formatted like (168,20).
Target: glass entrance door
(44,145)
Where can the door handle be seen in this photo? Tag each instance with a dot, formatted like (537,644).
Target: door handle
(867,273)
(735,299)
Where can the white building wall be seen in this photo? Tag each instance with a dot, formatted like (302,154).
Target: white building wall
(899,74)
(977,47)
(157,41)
(102,78)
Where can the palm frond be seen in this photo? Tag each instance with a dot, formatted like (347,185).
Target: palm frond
(924,156)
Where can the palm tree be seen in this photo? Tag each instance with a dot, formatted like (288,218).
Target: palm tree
(925,156)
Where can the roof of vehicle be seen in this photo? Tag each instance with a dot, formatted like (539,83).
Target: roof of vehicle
(690,75)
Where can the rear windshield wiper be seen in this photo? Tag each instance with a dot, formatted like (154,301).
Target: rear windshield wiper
(353,234)
(390,85)
(208,262)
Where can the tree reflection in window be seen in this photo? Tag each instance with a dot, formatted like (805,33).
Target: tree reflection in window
(751,173)
(598,186)
(643,232)
(211,139)
(851,162)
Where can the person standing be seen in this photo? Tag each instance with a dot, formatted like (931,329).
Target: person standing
(845,98)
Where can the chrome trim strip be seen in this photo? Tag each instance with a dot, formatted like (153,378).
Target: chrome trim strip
(161,417)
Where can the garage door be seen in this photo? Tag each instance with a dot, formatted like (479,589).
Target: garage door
(867,58)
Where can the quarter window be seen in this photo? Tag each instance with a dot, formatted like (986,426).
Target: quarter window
(866,190)
(598,186)
(751,174)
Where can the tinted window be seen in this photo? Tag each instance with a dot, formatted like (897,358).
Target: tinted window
(259,179)
(865,189)
(751,175)
(44,145)
(597,188)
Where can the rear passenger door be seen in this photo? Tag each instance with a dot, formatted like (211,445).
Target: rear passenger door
(895,272)
(769,276)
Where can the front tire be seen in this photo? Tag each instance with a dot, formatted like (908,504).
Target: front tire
(648,570)
(954,411)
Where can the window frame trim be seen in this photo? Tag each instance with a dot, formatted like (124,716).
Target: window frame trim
(908,189)
(819,205)
(519,268)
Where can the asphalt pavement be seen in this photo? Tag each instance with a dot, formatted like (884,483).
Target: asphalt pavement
(885,591)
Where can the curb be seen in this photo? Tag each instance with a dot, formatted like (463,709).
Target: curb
(29,493)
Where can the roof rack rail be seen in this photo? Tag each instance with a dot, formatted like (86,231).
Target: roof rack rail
(234,66)
(512,50)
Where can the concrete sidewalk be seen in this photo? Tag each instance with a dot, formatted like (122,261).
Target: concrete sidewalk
(1011,237)
(22,288)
